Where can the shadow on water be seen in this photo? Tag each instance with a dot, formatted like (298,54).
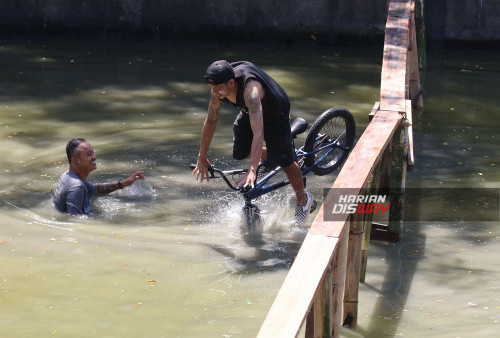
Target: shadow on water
(271,248)
(401,266)
(264,257)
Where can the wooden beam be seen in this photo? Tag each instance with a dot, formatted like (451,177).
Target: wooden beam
(398,179)
(362,160)
(415,90)
(373,188)
(296,295)
(338,281)
(375,109)
(409,132)
(326,243)
(399,8)
(322,308)
(393,83)
(380,232)
(353,271)
(420,34)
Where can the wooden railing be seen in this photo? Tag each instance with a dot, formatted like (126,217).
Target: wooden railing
(321,288)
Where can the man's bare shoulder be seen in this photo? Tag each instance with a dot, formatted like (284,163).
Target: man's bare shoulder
(251,85)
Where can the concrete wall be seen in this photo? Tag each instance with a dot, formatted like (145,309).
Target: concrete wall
(463,19)
(327,20)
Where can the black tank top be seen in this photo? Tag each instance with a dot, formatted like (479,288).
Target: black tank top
(275,103)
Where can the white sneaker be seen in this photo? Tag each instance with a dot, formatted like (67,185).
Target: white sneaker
(302,212)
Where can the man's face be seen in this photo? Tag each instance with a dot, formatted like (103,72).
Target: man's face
(221,91)
(85,157)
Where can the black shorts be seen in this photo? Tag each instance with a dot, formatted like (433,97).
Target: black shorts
(278,138)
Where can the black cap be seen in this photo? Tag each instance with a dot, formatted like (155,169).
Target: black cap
(219,72)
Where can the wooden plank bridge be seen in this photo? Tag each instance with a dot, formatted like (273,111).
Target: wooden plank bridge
(321,288)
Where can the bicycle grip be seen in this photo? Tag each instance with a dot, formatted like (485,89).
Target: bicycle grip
(210,170)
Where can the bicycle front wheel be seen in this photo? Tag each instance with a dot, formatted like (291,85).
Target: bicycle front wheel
(335,127)
(253,220)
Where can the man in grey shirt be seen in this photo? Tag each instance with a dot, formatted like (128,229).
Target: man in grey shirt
(73,191)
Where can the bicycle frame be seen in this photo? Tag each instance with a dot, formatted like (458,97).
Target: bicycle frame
(261,187)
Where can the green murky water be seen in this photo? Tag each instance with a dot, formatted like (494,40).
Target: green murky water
(166,257)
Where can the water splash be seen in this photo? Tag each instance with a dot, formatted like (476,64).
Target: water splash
(141,191)
(127,203)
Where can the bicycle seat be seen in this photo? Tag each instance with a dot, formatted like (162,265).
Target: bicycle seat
(298,126)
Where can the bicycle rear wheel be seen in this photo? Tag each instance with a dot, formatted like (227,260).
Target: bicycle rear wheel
(334,125)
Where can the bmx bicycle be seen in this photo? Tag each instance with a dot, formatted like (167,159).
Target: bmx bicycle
(326,148)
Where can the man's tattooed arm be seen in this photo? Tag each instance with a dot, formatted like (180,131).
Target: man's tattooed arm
(106,188)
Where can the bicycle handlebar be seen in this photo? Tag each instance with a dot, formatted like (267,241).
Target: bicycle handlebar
(223,174)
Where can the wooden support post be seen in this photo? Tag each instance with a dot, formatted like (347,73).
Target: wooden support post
(339,282)
(385,171)
(415,91)
(420,33)
(409,133)
(364,247)
(353,271)
(373,188)
(325,316)
(319,323)
(398,180)
(375,108)
(379,231)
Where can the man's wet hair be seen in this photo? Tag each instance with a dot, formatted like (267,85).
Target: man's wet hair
(71,147)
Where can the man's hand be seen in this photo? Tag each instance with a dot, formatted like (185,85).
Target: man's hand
(247,180)
(106,188)
(132,178)
(202,166)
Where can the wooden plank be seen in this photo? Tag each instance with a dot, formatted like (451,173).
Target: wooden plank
(375,108)
(322,324)
(380,232)
(295,297)
(399,8)
(364,247)
(393,83)
(420,34)
(327,239)
(353,271)
(374,186)
(338,281)
(398,179)
(362,160)
(411,158)
(415,89)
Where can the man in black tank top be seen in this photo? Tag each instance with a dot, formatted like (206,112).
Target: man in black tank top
(264,116)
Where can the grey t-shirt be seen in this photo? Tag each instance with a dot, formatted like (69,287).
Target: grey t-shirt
(72,195)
